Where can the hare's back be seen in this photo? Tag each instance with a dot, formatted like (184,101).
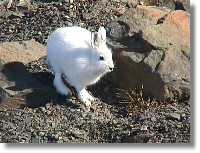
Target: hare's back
(72,37)
(68,47)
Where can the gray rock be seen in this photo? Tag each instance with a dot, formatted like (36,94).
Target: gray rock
(117,30)
(136,57)
(15,78)
(182,5)
(152,52)
(21,51)
(175,116)
(141,17)
(161,3)
(154,58)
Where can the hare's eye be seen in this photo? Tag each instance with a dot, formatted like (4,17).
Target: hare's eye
(101,58)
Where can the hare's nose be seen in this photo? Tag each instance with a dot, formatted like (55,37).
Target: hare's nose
(110,68)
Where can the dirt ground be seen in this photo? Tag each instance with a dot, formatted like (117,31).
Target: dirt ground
(118,116)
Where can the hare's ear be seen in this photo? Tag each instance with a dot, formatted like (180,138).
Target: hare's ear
(93,39)
(100,36)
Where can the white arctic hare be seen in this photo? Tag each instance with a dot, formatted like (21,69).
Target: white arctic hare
(81,56)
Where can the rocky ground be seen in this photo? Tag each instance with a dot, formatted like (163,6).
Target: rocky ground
(32,112)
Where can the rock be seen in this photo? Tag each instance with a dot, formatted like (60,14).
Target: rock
(21,51)
(117,30)
(152,50)
(95,126)
(161,3)
(171,4)
(2,10)
(120,11)
(153,119)
(154,58)
(16,80)
(136,57)
(174,116)
(182,5)
(137,19)
(160,37)
(181,20)
(135,74)
(175,72)
(175,29)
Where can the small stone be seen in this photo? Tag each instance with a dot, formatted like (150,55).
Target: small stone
(131,125)
(41,133)
(116,30)
(183,115)
(48,112)
(39,33)
(58,136)
(43,109)
(153,119)
(78,110)
(72,110)
(48,106)
(144,128)
(175,116)
(120,11)
(67,17)
(35,140)
(53,124)
(81,24)
(114,122)
(179,126)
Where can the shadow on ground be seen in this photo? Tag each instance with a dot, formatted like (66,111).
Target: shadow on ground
(35,89)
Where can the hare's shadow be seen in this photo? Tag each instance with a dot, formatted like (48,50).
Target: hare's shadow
(36,88)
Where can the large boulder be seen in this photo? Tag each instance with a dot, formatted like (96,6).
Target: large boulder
(16,80)
(174,30)
(152,50)
(171,4)
(182,5)
(21,51)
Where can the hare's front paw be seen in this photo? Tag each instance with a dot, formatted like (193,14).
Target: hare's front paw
(86,97)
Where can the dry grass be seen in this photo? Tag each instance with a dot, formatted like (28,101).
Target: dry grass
(137,103)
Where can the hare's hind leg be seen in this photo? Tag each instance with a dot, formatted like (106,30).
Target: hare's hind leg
(59,85)
(85,97)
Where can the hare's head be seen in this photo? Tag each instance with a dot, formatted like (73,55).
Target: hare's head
(102,56)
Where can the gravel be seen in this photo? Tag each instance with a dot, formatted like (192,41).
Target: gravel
(114,117)
(42,19)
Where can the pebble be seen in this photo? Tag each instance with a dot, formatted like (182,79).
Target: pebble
(35,140)
(72,110)
(48,106)
(43,109)
(153,119)
(48,112)
(183,115)
(41,133)
(120,11)
(179,126)
(175,116)
(114,122)
(144,128)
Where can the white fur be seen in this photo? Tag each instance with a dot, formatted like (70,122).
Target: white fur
(75,52)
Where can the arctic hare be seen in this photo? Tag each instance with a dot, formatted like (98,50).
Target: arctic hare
(81,56)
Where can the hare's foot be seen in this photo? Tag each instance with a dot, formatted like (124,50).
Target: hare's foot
(59,85)
(86,97)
